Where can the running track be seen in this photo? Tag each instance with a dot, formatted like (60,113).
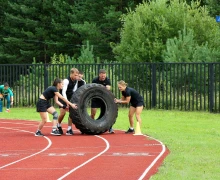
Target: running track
(106,156)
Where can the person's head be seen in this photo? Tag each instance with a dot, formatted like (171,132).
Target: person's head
(74,74)
(80,76)
(58,83)
(102,74)
(122,85)
(6,86)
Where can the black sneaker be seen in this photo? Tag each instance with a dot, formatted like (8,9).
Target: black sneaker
(38,133)
(60,130)
(111,131)
(69,132)
(55,133)
(129,131)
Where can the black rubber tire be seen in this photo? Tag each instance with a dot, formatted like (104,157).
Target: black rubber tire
(108,111)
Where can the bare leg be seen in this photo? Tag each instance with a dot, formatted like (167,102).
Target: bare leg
(43,116)
(138,114)
(131,115)
(93,112)
(62,115)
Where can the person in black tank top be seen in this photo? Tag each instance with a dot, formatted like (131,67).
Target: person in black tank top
(44,106)
(130,95)
(68,89)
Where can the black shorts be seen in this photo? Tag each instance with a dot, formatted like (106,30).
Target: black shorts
(139,104)
(97,103)
(42,105)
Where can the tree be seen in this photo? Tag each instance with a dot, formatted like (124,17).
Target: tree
(98,22)
(146,30)
(36,29)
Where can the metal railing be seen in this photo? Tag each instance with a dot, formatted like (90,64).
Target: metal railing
(182,86)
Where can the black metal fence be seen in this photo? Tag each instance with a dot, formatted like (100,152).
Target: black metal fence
(182,86)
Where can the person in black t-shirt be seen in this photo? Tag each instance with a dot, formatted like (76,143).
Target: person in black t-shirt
(68,89)
(44,106)
(96,102)
(130,95)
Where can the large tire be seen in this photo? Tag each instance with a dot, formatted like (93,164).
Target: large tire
(108,111)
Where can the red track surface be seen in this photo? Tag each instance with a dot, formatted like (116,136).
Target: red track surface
(107,156)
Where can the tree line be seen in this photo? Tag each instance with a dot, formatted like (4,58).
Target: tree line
(66,31)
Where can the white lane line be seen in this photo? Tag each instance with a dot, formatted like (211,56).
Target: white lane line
(49,144)
(155,160)
(86,162)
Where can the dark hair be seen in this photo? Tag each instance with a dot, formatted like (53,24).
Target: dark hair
(6,84)
(81,72)
(102,71)
(57,81)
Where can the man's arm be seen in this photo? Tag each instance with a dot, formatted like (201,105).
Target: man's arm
(65,84)
(108,84)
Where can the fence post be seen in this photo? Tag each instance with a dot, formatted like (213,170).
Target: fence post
(45,76)
(211,88)
(154,89)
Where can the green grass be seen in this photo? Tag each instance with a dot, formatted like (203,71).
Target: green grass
(193,139)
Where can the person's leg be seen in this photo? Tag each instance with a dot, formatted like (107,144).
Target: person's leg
(138,114)
(131,116)
(60,119)
(52,111)
(7,97)
(131,119)
(43,116)
(93,112)
(69,130)
(62,115)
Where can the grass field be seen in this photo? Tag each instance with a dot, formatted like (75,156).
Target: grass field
(193,139)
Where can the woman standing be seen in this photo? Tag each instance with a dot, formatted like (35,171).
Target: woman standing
(130,95)
(44,106)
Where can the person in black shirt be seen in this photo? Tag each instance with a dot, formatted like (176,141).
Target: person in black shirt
(68,89)
(130,95)
(96,102)
(44,106)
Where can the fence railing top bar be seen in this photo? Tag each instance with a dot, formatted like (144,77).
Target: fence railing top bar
(101,64)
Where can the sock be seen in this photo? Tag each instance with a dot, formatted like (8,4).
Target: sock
(58,125)
(54,128)
(131,128)
(69,127)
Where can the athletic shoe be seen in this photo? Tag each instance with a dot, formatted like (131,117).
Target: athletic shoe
(129,131)
(38,133)
(8,110)
(111,131)
(55,133)
(60,129)
(69,132)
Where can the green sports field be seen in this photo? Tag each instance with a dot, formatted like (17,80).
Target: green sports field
(193,139)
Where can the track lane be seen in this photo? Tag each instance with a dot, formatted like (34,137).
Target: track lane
(128,156)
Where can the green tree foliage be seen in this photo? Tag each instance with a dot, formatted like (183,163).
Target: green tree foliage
(35,29)
(213,6)
(146,30)
(98,22)
(41,28)
(184,49)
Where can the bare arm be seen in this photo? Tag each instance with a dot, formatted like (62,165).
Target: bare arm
(57,101)
(65,84)
(123,100)
(108,87)
(74,106)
